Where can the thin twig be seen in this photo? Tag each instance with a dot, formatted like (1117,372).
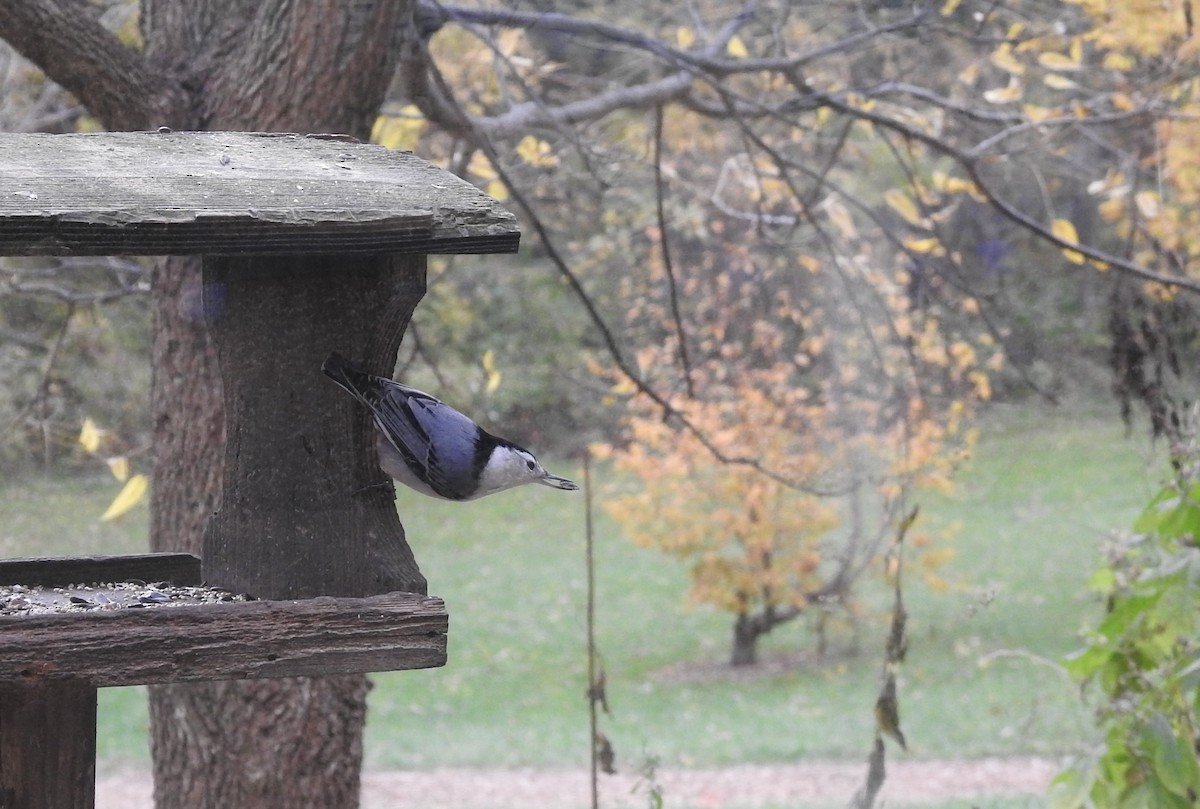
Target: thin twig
(589,545)
(664,242)
(43,393)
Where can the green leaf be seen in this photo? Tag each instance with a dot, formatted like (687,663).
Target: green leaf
(1070,788)
(1084,663)
(1174,762)
(1147,521)
(1172,514)
(1124,613)
(1103,581)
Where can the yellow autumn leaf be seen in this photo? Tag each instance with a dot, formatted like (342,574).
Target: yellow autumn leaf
(840,216)
(736,48)
(1063,229)
(508,41)
(1148,204)
(399,132)
(902,204)
(982,385)
(1120,62)
(624,387)
(949,7)
(131,494)
(497,190)
(1057,61)
(536,152)
(1057,82)
(119,466)
(89,436)
(1003,95)
(489,369)
(88,123)
(922,245)
(1036,114)
(809,263)
(1003,58)
(1122,102)
(481,167)
(685,37)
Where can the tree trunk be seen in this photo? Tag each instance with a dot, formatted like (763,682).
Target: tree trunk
(271,66)
(745,641)
(260,743)
(747,630)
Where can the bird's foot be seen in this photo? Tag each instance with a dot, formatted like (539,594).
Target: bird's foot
(387,485)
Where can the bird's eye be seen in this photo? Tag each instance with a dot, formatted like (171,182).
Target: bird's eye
(531,465)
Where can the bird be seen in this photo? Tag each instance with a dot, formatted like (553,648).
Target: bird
(432,448)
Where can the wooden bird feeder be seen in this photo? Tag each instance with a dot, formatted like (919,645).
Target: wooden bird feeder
(310,244)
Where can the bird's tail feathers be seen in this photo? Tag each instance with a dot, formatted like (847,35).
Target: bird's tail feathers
(358,383)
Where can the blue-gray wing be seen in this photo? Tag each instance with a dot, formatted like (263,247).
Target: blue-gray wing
(411,419)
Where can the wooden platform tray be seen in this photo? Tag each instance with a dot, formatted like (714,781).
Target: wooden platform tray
(213,641)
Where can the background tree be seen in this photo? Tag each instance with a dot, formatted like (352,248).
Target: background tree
(831,409)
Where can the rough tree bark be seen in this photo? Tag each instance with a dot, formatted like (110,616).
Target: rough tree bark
(267,65)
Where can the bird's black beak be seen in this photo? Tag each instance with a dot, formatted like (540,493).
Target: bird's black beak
(558,483)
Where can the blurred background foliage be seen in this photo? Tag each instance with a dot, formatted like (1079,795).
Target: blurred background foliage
(73,344)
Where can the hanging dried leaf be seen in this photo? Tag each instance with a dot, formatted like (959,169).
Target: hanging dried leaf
(887,711)
(605,754)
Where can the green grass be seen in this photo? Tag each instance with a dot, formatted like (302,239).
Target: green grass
(58,517)
(1034,508)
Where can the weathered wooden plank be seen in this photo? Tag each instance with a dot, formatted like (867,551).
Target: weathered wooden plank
(177,568)
(305,509)
(226,193)
(255,639)
(47,745)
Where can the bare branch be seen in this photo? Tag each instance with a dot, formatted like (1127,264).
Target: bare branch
(705,60)
(664,241)
(535,115)
(67,41)
(969,160)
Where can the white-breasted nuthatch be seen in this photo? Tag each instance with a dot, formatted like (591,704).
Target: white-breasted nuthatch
(431,447)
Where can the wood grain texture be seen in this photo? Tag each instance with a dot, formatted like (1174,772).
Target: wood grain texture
(240,640)
(177,568)
(304,508)
(225,193)
(47,745)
